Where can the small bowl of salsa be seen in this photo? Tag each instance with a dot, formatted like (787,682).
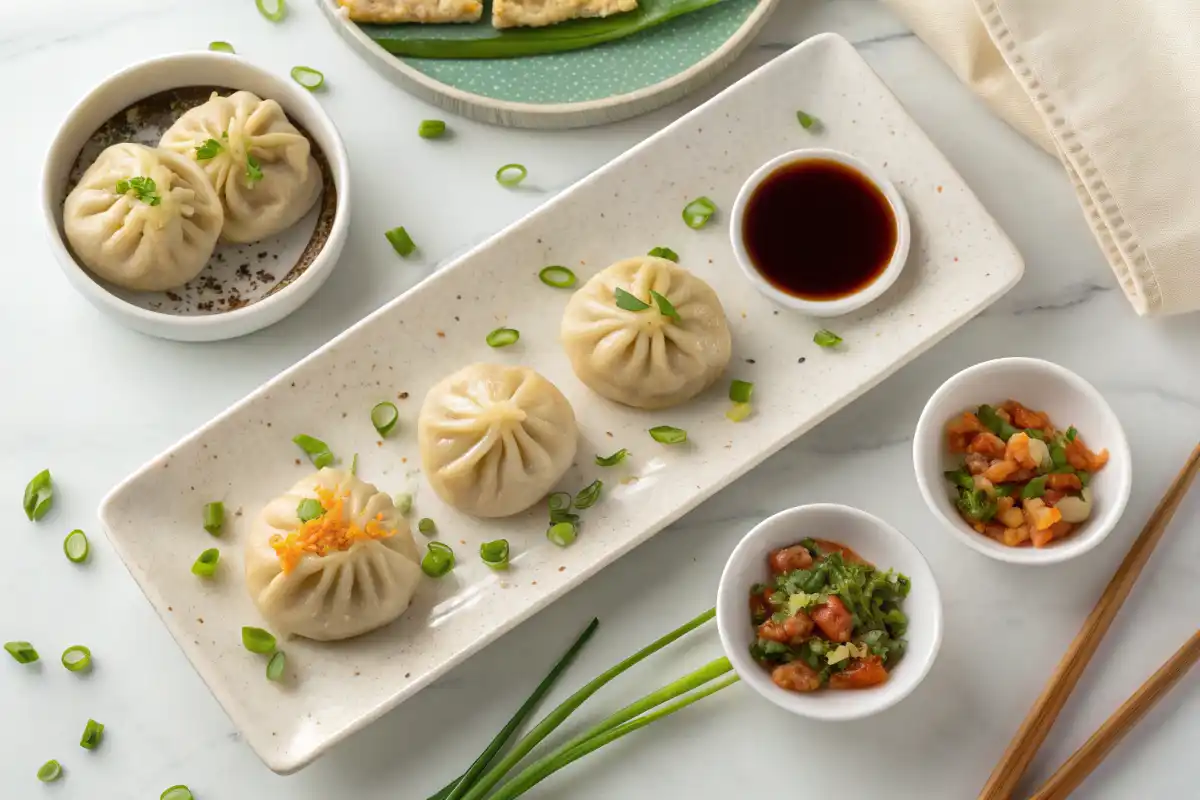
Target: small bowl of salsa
(820,231)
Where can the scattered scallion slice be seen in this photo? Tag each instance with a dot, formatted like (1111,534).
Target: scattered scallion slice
(740,391)
(628,302)
(427,526)
(665,434)
(503,337)
(39,494)
(826,338)
(221,47)
(511,174)
(431,129)
(438,560)
(49,772)
(807,121)
(384,417)
(738,412)
(559,501)
(613,460)
(205,565)
(93,732)
(254,172)
(77,658)
(557,276)
(664,252)
(256,640)
(1072,434)
(210,149)
(402,243)
(179,792)
(495,554)
(561,533)
(697,213)
(403,503)
(274,10)
(318,452)
(354,464)
(588,495)
(214,518)
(664,306)
(22,652)
(276,666)
(76,546)
(309,509)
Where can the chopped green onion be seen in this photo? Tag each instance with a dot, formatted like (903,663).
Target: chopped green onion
(23,652)
(1035,488)
(740,391)
(563,516)
(503,337)
(664,252)
(561,533)
(309,78)
(221,47)
(628,302)
(179,792)
(826,338)
(256,640)
(559,501)
(807,121)
(511,174)
(210,149)
(738,412)
(403,503)
(495,554)
(665,434)
(664,306)
(384,417)
(205,565)
(557,276)
(402,243)
(77,658)
(93,732)
(1072,433)
(1058,455)
(309,509)
(427,526)
(317,451)
(588,495)
(214,517)
(613,460)
(143,189)
(254,172)
(438,560)
(431,129)
(354,464)
(697,213)
(274,10)
(39,494)
(49,772)
(76,546)
(276,666)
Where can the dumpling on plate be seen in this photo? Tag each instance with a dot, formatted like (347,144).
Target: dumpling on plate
(536,13)
(646,358)
(331,558)
(495,439)
(388,11)
(261,165)
(143,218)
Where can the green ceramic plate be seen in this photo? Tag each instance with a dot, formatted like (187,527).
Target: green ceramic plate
(600,84)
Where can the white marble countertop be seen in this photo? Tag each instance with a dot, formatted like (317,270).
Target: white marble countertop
(93,401)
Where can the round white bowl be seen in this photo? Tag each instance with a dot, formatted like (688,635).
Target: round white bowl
(841,305)
(1040,385)
(874,540)
(172,72)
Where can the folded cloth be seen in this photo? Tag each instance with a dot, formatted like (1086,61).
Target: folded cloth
(1112,87)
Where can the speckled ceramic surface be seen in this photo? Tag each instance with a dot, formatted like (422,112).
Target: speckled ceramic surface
(582,87)
(960,262)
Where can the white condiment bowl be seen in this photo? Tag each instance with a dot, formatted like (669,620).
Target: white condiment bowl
(874,540)
(182,70)
(841,305)
(1039,385)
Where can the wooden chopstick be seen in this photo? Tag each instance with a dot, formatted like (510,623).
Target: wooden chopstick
(1041,717)
(1087,758)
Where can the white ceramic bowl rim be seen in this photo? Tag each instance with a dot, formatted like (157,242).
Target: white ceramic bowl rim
(840,305)
(52,178)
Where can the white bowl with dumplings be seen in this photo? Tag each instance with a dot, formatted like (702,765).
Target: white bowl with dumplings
(197,255)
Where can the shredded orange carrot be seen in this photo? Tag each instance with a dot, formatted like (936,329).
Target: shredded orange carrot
(331,532)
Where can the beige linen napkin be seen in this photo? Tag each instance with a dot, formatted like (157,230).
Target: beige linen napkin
(1112,87)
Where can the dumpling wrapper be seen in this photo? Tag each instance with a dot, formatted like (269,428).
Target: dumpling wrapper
(344,593)
(643,358)
(495,439)
(537,13)
(388,11)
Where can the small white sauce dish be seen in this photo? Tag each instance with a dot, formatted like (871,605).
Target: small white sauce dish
(1069,400)
(835,306)
(283,284)
(874,540)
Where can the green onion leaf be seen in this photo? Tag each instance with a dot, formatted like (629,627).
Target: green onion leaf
(431,129)
(221,47)
(403,503)
(807,121)
(511,174)
(613,460)
(276,666)
(274,10)
(738,412)
(664,306)
(179,792)
(664,252)
(384,417)
(354,464)
(1072,433)
(628,302)
(256,640)
(559,501)
(205,565)
(557,276)
(826,338)
(254,172)
(561,533)
(427,526)
(214,518)
(210,149)
(76,546)
(697,213)
(143,189)
(49,772)
(740,391)
(317,451)
(77,658)
(402,243)
(93,732)
(588,495)
(503,337)
(438,560)
(665,434)
(495,554)
(39,494)
(309,509)
(1035,488)
(22,652)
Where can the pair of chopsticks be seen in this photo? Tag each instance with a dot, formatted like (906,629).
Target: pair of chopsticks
(1037,724)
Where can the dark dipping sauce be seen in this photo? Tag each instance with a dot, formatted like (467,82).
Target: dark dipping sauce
(819,230)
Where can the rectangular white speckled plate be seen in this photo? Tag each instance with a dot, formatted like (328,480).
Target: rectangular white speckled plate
(960,262)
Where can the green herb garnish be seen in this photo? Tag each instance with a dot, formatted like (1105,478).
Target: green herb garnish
(276,666)
(403,503)
(438,560)
(503,337)
(179,792)
(205,565)
(738,412)
(826,338)
(697,213)
(256,640)
(401,242)
(308,77)
(431,129)
(274,10)
(143,189)
(76,547)
(309,509)
(317,451)
(495,554)
(254,172)
(664,252)
(807,121)
(588,496)
(664,306)
(427,526)
(214,517)
(210,149)
(383,417)
(76,658)
(628,302)
(221,47)
(613,460)
(511,174)
(49,772)
(39,495)
(93,732)
(740,391)
(665,434)
(557,276)
(22,652)
(561,533)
